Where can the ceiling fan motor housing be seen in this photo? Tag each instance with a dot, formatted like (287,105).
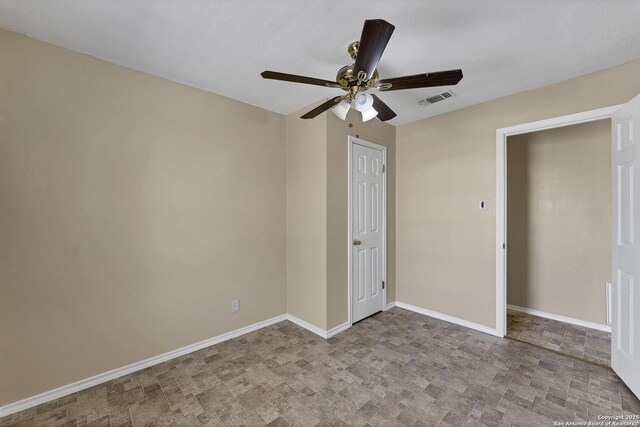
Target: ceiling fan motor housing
(347,79)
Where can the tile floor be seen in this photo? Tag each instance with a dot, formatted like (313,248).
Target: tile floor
(395,368)
(586,343)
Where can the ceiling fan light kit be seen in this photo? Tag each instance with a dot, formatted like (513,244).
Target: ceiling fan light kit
(369,114)
(361,76)
(363,101)
(341,109)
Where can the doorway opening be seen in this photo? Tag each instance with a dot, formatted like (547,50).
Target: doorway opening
(559,239)
(554,223)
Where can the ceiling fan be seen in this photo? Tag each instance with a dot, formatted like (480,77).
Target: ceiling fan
(358,78)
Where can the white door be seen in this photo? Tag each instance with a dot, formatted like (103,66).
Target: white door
(367,229)
(625,336)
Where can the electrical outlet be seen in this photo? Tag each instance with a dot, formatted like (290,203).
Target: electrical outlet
(235,306)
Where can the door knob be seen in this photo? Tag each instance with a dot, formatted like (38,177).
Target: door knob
(357,242)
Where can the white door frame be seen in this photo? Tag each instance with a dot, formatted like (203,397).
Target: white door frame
(351,141)
(501,195)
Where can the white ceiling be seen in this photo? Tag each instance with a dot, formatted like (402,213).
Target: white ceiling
(502,46)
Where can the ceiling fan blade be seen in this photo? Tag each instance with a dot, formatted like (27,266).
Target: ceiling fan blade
(384,112)
(274,75)
(439,78)
(375,36)
(322,108)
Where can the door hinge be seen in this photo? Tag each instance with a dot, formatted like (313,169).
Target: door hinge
(383,168)
(383,284)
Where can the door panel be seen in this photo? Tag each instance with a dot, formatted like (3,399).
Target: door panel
(625,331)
(362,274)
(362,193)
(375,268)
(367,206)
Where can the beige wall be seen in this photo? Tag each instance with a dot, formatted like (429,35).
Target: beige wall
(337,207)
(446,164)
(559,220)
(307,218)
(132,211)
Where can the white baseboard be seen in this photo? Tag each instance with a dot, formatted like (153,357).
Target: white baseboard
(450,319)
(340,328)
(306,325)
(390,305)
(316,330)
(59,392)
(560,318)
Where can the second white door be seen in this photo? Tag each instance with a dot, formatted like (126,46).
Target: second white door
(367,230)
(625,307)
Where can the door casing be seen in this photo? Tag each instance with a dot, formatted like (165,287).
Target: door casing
(501,194)
(351,141)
